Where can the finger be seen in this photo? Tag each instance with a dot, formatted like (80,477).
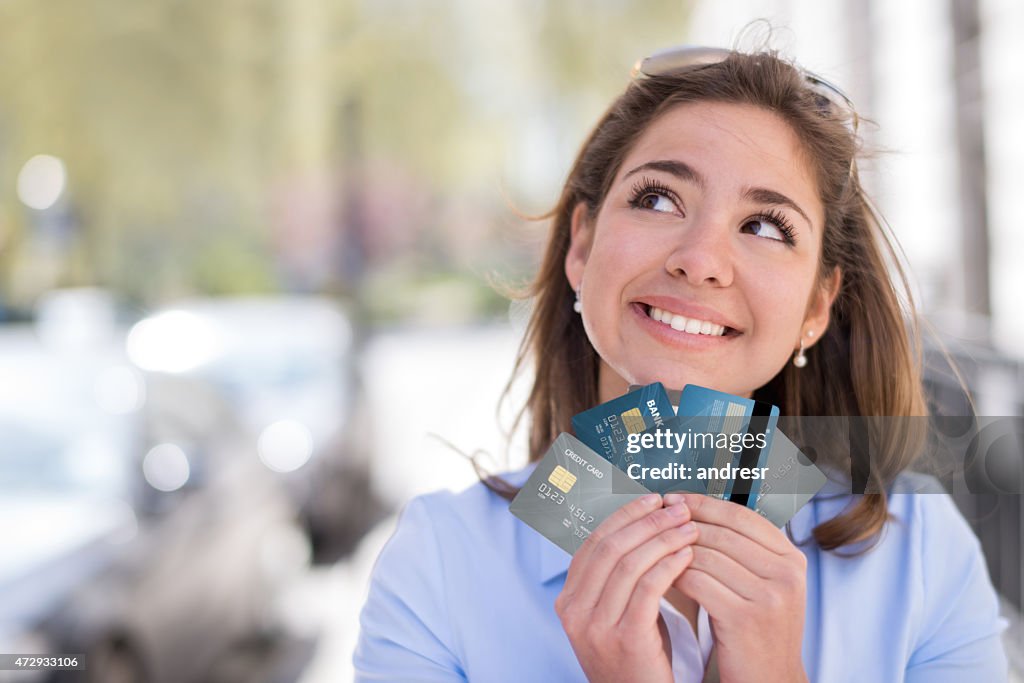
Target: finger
(718,599)
(624,576)
(625,515)
(744,520)
(592,574)
(752,555)
(628,513)
(737,578)
(645,601)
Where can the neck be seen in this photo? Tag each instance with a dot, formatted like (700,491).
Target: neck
(609,384)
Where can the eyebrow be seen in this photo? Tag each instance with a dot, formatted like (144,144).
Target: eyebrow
(680,170)
(763,195)
(688,174)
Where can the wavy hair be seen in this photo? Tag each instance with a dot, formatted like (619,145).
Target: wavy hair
(868,361)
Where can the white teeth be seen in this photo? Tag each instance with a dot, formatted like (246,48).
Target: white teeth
(684,324)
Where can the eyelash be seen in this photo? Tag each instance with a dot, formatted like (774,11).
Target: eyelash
(646,186)
(779,220)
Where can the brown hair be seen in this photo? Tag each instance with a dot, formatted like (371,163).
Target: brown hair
(864,365)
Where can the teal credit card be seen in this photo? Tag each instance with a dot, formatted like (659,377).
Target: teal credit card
(716,445)
(606,428)
(748,427)
(572,490)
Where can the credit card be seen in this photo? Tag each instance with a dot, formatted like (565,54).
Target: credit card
(792,481)
(606,428)
(676,456)
(740,419)
(572,490)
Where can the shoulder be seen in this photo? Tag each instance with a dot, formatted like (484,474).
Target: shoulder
(458,518)
(960,618)
(926,534)
(446,551)
(951,562)
(936,605)
(443,540)
(922,516)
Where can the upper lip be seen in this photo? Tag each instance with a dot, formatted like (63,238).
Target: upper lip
(688,309)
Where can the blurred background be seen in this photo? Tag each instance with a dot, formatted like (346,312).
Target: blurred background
(251,263)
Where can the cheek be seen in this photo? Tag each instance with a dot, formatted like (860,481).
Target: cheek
(779,303)
(618,257)
(622,251)
(620,254)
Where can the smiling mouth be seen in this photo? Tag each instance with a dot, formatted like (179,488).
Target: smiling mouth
(681,323)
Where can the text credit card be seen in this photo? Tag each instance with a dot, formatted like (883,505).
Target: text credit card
(572,490)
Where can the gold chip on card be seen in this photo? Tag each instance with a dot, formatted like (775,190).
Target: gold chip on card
(633,420)
(562,478)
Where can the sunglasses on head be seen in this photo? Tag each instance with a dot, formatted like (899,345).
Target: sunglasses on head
(684,58)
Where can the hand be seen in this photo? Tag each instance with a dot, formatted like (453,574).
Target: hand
(609,606)
(752,581)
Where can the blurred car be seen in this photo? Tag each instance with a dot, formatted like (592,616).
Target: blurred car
(284,366)
(61,496)
(153,563)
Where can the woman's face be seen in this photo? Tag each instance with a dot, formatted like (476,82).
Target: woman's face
(701,264)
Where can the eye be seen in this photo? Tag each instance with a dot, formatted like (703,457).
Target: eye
(654,196)
(770,225)
(655,202)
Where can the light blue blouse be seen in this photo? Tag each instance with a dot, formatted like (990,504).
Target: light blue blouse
(465,591)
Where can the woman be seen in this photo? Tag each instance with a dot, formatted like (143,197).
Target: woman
(712,231)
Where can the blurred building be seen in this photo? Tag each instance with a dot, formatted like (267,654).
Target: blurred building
(943,183)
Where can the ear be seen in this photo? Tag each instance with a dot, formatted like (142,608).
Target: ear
(819,308)
(581,236)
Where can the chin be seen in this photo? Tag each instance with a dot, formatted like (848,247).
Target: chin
(673,379)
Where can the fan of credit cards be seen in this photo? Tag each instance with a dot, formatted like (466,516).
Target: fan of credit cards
(714,443)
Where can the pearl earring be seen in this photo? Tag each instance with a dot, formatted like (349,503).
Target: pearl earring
(577,305)
(800,359)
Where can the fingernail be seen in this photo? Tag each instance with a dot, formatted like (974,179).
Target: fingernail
(689,528)
(688,550)
(651,498)
(672,498)
(678,510)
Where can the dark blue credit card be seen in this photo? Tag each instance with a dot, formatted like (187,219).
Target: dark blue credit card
(606,428)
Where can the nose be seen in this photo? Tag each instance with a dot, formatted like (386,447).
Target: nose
(703,254)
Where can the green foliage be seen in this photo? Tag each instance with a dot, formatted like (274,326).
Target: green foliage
(180,121)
